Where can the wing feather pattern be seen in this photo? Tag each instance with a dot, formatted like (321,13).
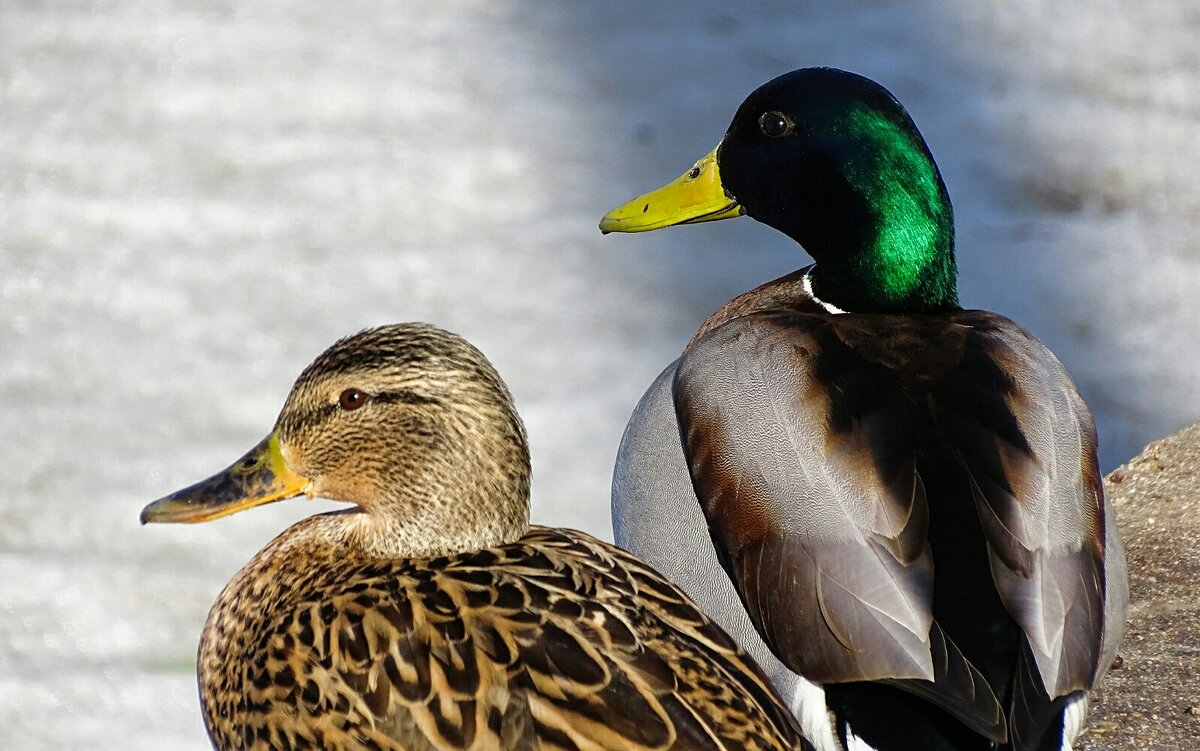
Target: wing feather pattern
(1029,445)
(820,445)
(558,641)
(823,527)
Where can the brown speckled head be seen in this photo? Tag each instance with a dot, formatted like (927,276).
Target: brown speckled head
(413,425)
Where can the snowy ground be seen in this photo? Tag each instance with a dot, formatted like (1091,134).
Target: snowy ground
(197,198)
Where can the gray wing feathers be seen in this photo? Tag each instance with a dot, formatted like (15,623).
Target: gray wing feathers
(1038,493)
(802,453)
(655,515)
(823,552)
(802,436)
(959,688)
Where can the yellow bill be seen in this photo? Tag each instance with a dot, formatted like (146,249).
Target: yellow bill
(261,476)
(696,196)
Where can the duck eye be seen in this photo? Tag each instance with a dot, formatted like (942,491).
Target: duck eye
(774,125)
(351,399)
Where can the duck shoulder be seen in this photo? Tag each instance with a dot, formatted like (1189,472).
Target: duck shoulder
(557,641)
(788,292)
(838,458)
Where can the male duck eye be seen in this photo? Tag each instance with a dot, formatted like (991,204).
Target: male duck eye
(774,124)
(351,399)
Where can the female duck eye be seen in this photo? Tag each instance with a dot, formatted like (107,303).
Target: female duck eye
(774,124)
(351,399)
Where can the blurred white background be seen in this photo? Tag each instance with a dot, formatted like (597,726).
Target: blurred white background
(197,198)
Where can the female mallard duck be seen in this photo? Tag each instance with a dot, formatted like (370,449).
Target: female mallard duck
(904,494)
(432,616)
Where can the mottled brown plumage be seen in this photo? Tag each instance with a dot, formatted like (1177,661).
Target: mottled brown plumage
(489,634)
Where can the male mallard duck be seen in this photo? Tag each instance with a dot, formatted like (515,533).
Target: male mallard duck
(904,494)
(431,615)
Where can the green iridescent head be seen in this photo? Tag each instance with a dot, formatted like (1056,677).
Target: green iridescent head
(832,160)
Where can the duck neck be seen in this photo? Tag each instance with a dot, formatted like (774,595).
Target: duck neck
(429,529)
(467,493)
(879,223)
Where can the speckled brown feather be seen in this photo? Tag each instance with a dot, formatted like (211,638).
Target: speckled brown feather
(555,641)
(431,617)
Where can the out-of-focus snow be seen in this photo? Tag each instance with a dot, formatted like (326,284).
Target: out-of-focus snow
(197,198)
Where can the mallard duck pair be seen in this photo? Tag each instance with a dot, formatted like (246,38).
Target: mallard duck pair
(903,494)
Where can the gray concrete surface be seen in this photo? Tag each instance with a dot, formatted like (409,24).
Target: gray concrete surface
(1151,700)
